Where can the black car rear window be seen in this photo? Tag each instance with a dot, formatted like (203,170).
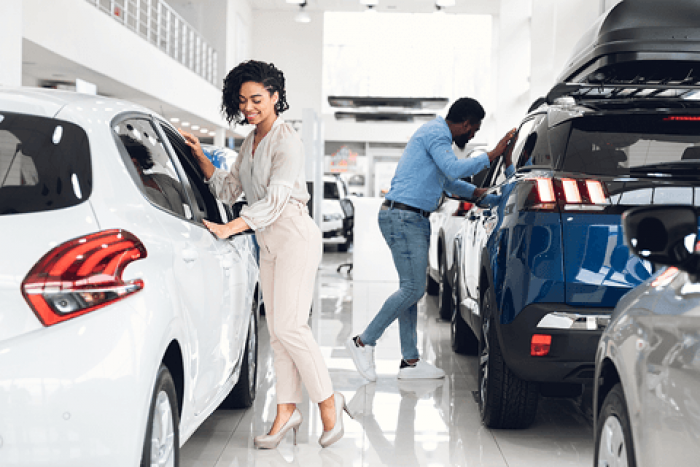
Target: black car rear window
(44,164)
(633,144)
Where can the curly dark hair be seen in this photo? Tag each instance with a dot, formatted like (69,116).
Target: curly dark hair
(260,72)
(138,151)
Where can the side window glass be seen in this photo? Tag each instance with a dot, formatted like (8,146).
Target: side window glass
(523,151)
(205,201)
(499,175)
(538,148)
(154,172)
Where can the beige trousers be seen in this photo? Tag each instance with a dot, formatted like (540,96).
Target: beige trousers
(290,253)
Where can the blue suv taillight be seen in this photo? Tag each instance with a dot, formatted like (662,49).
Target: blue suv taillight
(553,194)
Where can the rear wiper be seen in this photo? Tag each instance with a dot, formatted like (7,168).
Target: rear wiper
(667,167)
(12,161)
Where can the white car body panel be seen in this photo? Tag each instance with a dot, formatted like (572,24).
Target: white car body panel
(332,208)
(78,393)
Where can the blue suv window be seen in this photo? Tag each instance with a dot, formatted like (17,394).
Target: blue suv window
(44,164)
(623,144)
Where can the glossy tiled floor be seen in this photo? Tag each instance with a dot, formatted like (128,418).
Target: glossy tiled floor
(428,423)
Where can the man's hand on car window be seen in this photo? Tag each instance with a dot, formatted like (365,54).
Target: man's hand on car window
(501,146)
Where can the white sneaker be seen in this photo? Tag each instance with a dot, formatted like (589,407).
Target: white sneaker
(421,370)
(363,357)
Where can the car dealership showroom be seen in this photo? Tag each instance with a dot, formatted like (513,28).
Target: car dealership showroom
(349,233)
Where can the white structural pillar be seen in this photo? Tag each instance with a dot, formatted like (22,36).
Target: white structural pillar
(313,148)
(220,137)
(11,43)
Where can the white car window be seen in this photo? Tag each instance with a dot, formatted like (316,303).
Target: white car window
(154,171)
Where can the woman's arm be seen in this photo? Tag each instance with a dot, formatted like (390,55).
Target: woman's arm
(226,230)
(199,156)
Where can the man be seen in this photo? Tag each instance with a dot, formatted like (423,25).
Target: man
(427,167)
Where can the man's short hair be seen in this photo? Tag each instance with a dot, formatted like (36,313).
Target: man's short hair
(466,109)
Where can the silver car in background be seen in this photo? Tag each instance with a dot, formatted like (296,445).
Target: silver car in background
(647,379)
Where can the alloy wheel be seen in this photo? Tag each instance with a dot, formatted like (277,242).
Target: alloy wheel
(441,287)
(612,451)
(162,433)
(484,360)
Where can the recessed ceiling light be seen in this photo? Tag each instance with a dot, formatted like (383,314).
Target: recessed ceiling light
(195,127)
(204,130)
(185,123)
(174,119)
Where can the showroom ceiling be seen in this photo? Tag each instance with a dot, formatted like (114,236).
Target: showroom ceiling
(474,7)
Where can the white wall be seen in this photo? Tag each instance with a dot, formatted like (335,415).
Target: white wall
(11,43)
(297,50)
(239,33)
(94,40)
(512,73)
(556,28)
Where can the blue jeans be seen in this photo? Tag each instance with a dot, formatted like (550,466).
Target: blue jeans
(408,235)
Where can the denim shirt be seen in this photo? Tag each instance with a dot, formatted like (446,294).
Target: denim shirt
(429,166)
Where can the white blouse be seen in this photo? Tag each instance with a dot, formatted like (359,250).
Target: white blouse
(273,177)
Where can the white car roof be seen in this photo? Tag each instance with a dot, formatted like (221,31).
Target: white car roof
(48,102)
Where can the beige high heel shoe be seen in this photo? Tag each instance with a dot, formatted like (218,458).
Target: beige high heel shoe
(331,436)
(272,441)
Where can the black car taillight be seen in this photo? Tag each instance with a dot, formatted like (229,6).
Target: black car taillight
(552,194)
(82,275)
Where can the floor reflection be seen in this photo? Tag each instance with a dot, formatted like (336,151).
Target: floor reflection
(396,423)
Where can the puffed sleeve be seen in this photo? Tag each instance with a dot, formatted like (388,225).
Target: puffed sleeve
(286,165)
(226,186)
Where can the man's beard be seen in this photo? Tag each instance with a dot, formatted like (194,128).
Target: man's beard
(461,141)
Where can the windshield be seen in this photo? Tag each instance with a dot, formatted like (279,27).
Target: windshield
(330,190)
(624,144)
(44,164)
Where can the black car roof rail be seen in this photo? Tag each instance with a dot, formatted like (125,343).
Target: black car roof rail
(623,90)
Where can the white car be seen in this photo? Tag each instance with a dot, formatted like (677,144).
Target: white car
(338,212)
(124,322)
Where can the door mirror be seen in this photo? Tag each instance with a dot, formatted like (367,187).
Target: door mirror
(662,234)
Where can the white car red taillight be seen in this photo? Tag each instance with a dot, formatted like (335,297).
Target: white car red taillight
(82,275)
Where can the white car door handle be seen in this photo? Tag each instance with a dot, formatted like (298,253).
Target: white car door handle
(189,255)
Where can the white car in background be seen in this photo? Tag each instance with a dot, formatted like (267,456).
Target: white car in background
(124,322)
(338,212)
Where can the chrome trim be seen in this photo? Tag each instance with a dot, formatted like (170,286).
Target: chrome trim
(471,305)
(574,321)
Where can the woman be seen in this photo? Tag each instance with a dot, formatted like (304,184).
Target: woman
(270,170)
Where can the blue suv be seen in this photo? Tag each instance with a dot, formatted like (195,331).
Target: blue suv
(541,263)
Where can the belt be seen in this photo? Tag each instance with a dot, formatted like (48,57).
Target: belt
(396,205)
